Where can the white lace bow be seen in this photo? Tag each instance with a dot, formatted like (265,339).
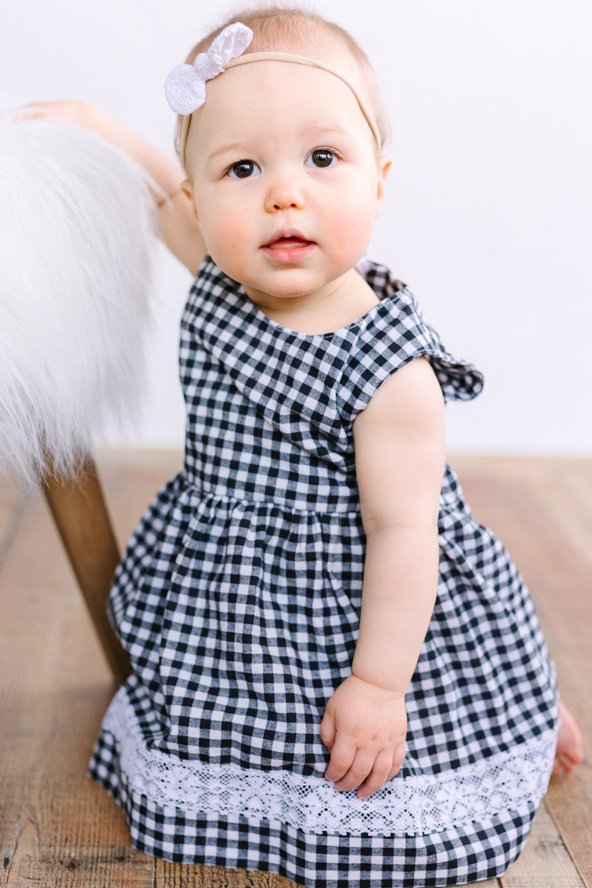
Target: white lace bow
(185,87)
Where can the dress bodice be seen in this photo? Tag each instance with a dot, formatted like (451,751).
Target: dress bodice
(270,410)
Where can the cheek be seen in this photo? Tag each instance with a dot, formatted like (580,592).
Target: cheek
(226,230)
(349,225)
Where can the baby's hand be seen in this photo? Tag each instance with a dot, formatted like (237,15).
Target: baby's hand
(365,727)
(72,111)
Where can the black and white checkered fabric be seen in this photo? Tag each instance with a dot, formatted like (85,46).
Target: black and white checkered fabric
(238,600)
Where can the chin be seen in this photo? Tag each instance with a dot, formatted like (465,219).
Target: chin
(288,291)
(286,283)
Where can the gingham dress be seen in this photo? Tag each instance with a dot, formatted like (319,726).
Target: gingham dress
(238,600)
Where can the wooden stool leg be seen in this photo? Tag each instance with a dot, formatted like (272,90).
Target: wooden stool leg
(80,513)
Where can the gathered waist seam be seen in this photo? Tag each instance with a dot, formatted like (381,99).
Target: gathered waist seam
(263,501)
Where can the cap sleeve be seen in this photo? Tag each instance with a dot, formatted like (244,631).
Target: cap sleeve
(394,334)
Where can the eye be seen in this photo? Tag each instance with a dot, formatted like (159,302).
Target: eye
(322,157)
(242,169)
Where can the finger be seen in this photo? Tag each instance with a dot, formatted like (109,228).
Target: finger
(328,730)
(359,770)
(398,758)
(393,772)
(399,755)
(342,757)
(378,775)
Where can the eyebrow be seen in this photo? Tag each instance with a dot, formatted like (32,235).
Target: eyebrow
(325,129)
(225,149)
(309,130)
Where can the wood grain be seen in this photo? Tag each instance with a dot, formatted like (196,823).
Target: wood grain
(12,506)
(544,860)
(57,827)
(174,875)
(489,883)
(82,518)
(562,488)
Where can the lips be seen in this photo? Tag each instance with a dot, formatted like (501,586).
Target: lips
(281,243)
(288,246)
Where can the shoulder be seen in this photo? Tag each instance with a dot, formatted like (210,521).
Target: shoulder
(393,335)
(409,401)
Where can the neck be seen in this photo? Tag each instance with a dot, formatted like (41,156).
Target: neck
(337,304)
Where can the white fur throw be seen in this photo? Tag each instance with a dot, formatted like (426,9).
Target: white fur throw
(77,234)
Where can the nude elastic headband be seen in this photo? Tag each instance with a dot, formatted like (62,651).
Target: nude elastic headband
(185,86)
(312,63)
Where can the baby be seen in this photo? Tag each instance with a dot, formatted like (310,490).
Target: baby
(313,579)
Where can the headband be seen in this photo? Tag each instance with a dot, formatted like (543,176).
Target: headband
(185,86)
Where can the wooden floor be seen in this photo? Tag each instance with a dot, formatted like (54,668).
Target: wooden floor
(57,828)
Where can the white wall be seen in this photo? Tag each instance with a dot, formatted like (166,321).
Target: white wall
(489,211)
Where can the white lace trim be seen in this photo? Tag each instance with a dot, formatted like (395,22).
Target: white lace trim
(411,806)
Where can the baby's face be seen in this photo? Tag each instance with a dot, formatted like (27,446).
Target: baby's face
(285,177)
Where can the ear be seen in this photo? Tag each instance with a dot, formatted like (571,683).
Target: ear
(384,165)
(187,189)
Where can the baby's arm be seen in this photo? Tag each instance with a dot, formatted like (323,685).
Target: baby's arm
(399,442)
(178,226)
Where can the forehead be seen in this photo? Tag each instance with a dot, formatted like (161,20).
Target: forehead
(276,100)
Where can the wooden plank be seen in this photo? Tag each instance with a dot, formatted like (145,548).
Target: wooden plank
(561,584)
(85,838)
(29,636)
(544,859)
(12,506)
(57,827)
(563,487)
(568,804)
(23,866)
(178,875)
(490,883)
(568,503)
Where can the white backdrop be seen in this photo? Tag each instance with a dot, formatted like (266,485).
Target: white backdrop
(489,210)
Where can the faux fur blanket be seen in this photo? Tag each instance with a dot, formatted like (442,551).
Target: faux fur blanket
(77,235)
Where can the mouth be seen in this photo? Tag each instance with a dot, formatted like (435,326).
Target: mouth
(288,246)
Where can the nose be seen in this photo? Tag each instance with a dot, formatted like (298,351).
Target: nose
(284,193)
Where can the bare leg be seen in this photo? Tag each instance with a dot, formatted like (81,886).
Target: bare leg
(569,751)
